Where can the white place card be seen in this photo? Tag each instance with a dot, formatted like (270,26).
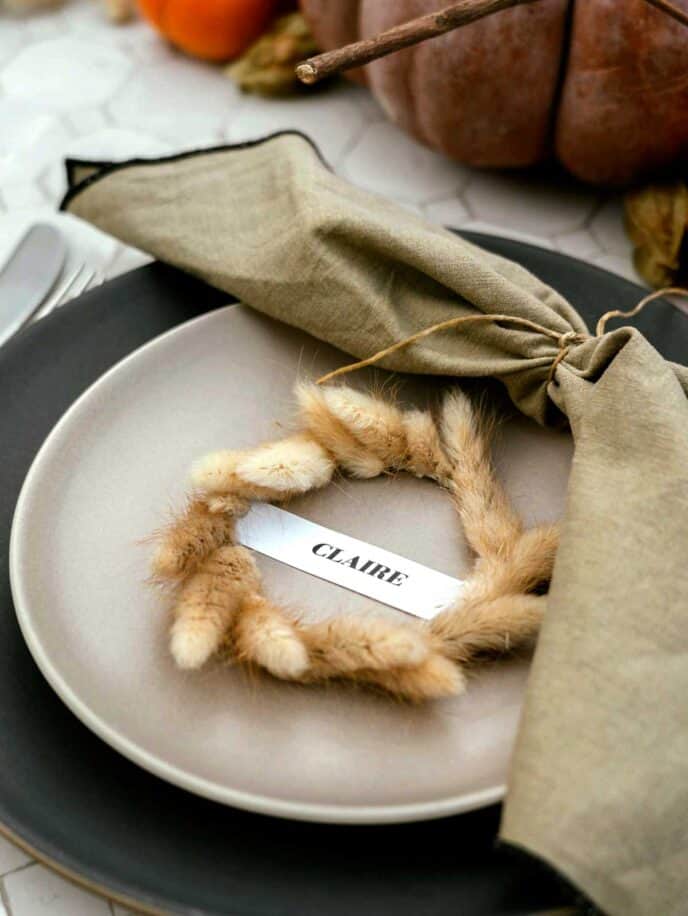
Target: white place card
(364,568)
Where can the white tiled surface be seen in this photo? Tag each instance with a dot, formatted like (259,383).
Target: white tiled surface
(40,892)
(30,889)
(71,84)
(11,857)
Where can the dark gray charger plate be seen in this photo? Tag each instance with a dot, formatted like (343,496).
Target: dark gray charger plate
(79,806)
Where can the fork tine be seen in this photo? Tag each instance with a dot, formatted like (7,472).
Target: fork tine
(58,296)
(79,281)
(81,287)
(97,279)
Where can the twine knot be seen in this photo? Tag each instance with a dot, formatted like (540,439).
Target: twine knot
(564,343)
(570,337)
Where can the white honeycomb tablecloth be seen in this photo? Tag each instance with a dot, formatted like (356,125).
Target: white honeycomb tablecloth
(72,84)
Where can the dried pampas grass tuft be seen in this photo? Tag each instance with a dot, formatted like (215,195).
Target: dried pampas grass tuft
(488,628)
(425,456)
(488,519)
(376,425)
(436,678)
(186,542)
(207,603)
(334,435)
(273,471)
(343,645)
(263,635)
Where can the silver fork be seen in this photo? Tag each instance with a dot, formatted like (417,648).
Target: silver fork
(79,281)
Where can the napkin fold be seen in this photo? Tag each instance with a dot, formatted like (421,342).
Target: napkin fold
(599,780)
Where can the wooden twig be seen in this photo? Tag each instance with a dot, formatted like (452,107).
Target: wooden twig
(417,30)
(678,14)
(401,36)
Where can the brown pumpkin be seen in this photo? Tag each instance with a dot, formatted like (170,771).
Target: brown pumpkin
(600,84)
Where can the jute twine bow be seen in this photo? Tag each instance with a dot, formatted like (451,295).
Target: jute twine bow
(564,341)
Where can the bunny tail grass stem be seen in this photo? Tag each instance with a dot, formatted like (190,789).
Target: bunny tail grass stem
(265,636)
(489,628)
(191,537)
(208,601)
(490,523)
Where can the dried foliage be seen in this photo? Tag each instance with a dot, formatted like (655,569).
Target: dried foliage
(268,66)
(657,223)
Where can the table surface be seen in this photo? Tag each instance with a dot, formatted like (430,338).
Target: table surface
(71,84)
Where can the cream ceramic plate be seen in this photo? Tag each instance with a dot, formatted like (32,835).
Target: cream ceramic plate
(108,475)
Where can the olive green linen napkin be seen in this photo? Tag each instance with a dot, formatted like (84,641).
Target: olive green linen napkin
(599,780)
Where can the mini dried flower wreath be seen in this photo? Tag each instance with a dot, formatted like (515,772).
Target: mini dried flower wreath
(218,599)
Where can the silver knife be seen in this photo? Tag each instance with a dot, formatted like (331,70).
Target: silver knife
(28,276)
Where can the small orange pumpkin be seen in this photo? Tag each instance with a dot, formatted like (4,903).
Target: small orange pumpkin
(210,29)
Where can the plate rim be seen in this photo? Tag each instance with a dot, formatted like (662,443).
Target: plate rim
(326,813)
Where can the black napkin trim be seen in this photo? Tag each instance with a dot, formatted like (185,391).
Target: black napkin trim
(108,167)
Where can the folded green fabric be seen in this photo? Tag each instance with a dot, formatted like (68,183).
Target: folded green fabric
(599,781)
